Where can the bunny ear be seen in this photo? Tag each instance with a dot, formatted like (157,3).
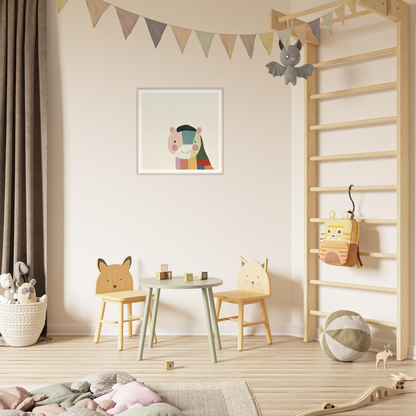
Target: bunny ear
(18,283)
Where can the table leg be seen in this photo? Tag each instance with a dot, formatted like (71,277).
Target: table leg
(152,327)
(209,327)
(144,323)
(214,317)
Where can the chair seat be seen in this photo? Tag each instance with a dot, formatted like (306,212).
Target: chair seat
(237,296)
(124,296)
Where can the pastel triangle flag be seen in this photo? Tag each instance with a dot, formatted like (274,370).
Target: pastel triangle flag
(181,36)
(205,39)
(314,25)
(328,20)
(340,12)
(127,21)
(301,32)
(267,40)
(156,30)
(96,9)
(284,36)
(229,43)
(353,7)
(248,42)
(60,4)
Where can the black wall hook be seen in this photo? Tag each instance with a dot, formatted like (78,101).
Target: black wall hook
(353,204)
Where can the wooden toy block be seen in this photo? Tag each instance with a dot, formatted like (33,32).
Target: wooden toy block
(202,275)
(164,268)
(169,364)
(188,277)
(161,276)
(169,275)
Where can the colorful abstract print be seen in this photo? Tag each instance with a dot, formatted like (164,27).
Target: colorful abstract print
(186,144)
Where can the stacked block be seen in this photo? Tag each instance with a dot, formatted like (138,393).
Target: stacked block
(162,276)
(188,277)
(202,275)
(164,268)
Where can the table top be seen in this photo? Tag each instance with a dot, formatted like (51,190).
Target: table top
(178,282)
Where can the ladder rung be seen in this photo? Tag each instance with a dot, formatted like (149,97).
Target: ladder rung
(354,123)
(354,286)
(360,220)
(356,57)
(365,254)
(368,155)
(357,90)
(246,324)
(355,188)
(370,321)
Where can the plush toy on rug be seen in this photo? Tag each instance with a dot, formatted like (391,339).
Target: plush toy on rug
(290,58)
(7,288)
(27,293)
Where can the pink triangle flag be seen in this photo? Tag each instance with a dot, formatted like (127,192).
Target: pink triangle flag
(340,12)
(156,30)
(248,42)
(127,21)
(181,36)
(301,32)
(96,9)
(229,43)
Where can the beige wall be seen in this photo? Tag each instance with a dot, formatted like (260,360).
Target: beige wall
(100,207)
(363,35)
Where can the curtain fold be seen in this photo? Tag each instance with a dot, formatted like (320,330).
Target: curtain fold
(23,137)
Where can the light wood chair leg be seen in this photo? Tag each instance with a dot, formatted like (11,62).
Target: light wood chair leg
(129,324)
(99,323)
(240,326)
(266,321)
(120,326)
(150,325)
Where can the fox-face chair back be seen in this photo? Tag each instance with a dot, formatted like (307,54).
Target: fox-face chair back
(253,277)
(114,277)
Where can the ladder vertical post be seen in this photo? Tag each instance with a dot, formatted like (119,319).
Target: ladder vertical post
(403,239)
(310,198)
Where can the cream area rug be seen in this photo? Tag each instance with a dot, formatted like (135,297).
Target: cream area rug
(220,398)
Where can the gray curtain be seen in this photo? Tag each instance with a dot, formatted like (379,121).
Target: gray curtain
(23,137)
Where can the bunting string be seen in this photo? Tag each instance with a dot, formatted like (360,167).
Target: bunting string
(128,21)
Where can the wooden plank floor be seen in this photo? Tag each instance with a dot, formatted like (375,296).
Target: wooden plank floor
(286,377)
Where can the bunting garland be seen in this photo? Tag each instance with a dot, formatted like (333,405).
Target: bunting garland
(128,21)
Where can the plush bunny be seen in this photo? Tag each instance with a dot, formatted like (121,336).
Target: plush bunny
(20,272)
(27,293)
(7,288)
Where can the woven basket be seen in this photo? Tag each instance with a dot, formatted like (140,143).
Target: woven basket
(21,325)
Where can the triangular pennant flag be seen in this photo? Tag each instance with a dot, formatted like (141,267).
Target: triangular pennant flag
(60,4)
(248,41)
(205,39)
(328,20)
(96,9)
(314,25)
(156,30)
(229,42)
(127,21)
(284,36)
(353,7)
(181,36)
(340,12)
(267,40)
(301,32)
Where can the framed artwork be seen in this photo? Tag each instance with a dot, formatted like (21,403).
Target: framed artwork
(180,131)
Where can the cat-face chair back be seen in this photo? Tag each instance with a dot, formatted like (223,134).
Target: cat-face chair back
(253,277)
(114,277)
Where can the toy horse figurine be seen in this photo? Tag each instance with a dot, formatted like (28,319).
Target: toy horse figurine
(289,58)
(384,355)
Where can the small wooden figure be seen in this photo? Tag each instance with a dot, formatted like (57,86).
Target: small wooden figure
(169,364)
(202,275)
(169,275)
(164,268)
(326,405)
(384,355)
(400,379)
(161,276)
(188,277)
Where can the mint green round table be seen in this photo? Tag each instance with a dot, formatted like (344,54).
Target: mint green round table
(177,282)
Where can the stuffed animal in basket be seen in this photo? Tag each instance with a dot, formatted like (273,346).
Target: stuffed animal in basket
(27,293)
(7,288)
(20,272)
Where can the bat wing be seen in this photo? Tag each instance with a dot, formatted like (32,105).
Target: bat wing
(305,71)
(276,69)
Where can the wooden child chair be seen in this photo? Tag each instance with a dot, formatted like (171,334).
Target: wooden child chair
(115,285)
(253,286)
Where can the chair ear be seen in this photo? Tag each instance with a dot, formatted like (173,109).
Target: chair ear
(101,264)
(264,264)
(127,262)
(243,261)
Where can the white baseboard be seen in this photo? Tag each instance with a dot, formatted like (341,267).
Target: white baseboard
(226,329)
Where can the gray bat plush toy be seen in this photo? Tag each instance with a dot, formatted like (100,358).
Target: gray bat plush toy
(290,58)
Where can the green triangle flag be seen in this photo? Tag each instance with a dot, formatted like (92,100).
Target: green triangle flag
(205,39)
(328,20)
(284,36)
(60,4)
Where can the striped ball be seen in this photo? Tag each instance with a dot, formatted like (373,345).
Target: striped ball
(344,336)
